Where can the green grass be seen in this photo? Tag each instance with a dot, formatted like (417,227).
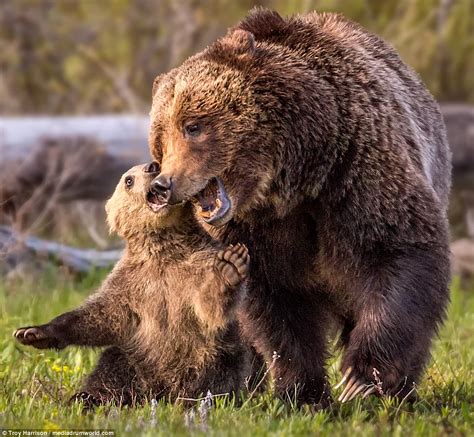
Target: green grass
(35,385)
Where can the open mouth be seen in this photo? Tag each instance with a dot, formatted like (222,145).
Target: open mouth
(154,201)
(214,204)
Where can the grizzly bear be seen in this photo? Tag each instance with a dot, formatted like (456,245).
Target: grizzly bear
(311,142)
(166,311)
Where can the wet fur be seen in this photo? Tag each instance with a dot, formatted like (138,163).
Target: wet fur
(336,161)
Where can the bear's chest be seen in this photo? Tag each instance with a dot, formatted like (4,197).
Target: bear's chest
(283,252)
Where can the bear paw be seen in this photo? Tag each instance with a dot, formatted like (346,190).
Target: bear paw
(87,401)
(355,385)
(232,263)
(36,336)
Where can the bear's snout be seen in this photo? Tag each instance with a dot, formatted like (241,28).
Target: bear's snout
(162,186)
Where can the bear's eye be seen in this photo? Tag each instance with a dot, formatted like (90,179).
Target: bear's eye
(192,129)
(129,182)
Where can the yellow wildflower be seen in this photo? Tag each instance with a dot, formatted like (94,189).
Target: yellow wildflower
(50,426)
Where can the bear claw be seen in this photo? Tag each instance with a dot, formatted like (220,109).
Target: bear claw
(28,335)
(88,401)
(35,336)
(354,387)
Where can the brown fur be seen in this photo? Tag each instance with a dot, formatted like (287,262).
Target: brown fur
(336,162)
(167,308)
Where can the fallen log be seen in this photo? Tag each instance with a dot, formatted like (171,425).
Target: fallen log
(123,135)
(27,253)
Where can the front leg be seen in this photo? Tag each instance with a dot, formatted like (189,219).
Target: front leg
(99,322)
(219,292)
(288,327)
(400,311)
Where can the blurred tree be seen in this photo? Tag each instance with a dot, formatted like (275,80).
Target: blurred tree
(78,56)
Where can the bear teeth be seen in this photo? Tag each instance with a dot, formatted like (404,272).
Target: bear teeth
(154,201)
(213,201)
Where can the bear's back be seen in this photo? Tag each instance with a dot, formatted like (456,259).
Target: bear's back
(354,58)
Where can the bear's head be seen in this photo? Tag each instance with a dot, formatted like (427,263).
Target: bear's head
(210,133)
(134,209)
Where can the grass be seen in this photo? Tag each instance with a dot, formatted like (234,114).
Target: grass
(35,385)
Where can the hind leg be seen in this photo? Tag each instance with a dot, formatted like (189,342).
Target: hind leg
(113,380)
(396,318)
(225,373)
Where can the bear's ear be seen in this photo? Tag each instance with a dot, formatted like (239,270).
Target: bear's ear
(240,41)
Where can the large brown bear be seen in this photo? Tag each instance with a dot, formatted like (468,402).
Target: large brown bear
(309,140)
(167,310)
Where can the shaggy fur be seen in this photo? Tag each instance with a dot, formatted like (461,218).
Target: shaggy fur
(167,308)
(335,158)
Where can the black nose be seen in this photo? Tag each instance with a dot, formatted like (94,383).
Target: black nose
(161,185)
(152,167)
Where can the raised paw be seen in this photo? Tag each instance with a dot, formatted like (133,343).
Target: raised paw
(36,336)
(353,386)
(232,263)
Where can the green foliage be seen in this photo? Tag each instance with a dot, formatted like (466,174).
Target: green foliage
(102,56)
(35,385)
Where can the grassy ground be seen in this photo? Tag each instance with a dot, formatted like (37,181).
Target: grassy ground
(35,386)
